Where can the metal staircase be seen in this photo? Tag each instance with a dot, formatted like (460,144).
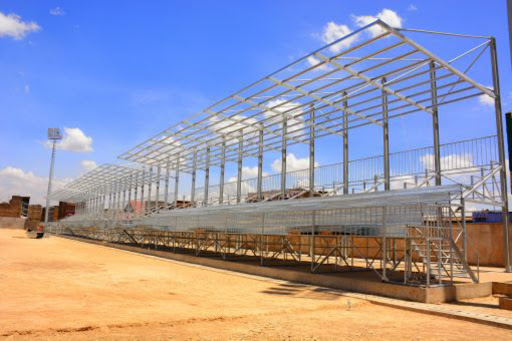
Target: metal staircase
(442,260)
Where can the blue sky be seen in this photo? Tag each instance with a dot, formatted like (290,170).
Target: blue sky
(123,71)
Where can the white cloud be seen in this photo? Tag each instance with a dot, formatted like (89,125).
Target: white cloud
(313,61)
(12,26)
(293,163)
(486,100)
(248,173)
(448,162)
(229,125)
(230,187)
(26,88)
(74,141)
(390,17)
(88,165)
(333,32)
(288,108)
(16,181)
(399,181)
(57,11)
(412,8)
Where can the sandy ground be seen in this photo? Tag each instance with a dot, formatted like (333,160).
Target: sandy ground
(60,289)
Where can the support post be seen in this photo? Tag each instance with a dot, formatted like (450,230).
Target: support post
(508,124)
(260,164)
(385,126)
(222,171)
(142,204)
(123,202)
(283,158)
(206,177)
(311,151)
(48,192)
(193,185)
(150,187)
(157,199)
(345,146)
(501,149)
(384,244)
(167,174)
(176,181)
(114,194)
(435,123)
(109,206)
(239,172)
(135,216)
(312,241)
(130,182)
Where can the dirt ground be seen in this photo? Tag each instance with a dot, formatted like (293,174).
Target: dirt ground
(61,289)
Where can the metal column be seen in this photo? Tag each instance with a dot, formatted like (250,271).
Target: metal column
(501,149)
(142,205)
(176,182)
(239,172)
(435,123)
(345,145)
(283,158)
(114,193)
(312,151)
(109,206)
(130,181)
(150,187)
(157,200)
(206,177)
(260,165)
(48,193)
(222,171)
(123,202)
(135,215)
(193,185)
(167,174)
(385,126)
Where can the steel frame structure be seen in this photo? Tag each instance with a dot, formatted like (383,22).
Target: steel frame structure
(326,93)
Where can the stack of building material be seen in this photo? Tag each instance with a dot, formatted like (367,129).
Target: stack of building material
(504,291)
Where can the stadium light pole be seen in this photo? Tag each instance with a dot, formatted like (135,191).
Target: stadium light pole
(53,135)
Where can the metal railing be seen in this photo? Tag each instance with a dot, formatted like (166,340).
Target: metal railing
(409,167)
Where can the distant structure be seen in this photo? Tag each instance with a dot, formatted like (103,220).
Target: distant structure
(54,136)
(19,207)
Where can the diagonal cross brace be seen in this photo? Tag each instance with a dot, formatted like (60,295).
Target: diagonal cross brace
(439,61)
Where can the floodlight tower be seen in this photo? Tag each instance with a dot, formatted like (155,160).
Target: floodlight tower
(54,136)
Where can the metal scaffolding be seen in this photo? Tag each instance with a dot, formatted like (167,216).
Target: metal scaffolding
(413,198)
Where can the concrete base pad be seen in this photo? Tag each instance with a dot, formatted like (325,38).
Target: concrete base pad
(362,282)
